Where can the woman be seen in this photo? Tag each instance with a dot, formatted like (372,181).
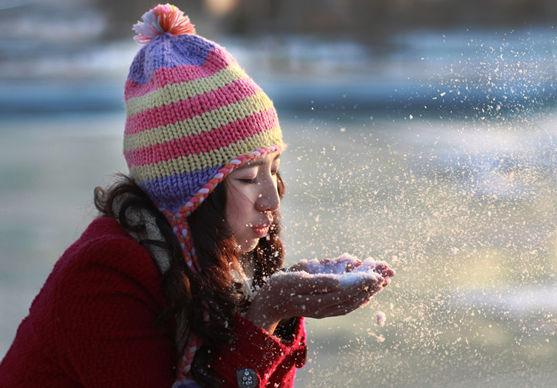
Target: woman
(172,283)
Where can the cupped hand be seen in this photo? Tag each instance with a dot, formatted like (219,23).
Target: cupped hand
(292,294)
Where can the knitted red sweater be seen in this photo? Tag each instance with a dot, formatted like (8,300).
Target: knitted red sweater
(93,325)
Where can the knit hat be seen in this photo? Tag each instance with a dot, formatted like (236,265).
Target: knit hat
(193,116)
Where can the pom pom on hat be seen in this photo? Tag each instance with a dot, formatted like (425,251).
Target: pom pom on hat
(163,18)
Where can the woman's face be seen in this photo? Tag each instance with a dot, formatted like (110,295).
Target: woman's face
(251,197)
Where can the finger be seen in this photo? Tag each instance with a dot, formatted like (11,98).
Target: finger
(355,264)
(373,282)
(300,266)
(384,269)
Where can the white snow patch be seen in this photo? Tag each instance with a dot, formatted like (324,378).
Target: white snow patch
(348,269)
(380,318)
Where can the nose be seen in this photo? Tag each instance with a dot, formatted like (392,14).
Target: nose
(268,198)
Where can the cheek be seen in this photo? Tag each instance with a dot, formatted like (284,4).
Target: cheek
(238,212)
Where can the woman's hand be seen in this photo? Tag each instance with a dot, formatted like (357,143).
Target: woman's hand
(292,294)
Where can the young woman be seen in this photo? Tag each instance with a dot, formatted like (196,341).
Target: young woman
(171,284)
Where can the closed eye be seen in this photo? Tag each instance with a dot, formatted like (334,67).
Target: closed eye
(248,181)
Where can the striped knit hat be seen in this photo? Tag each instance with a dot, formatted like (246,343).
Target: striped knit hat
(193,116)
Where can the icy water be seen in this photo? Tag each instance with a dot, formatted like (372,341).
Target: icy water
(465,212)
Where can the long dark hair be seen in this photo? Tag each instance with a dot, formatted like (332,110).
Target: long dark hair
(191,295)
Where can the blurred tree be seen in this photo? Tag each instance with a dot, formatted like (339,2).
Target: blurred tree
(362,19)
(371,20)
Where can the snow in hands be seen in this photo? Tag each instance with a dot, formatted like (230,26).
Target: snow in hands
(348,269)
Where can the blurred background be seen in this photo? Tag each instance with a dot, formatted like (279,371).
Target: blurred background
(420,132)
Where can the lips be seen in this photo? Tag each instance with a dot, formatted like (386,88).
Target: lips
(261,230)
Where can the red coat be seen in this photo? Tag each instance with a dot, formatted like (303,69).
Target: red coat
(93,325)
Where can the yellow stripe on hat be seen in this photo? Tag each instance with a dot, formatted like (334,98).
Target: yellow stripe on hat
(183,90)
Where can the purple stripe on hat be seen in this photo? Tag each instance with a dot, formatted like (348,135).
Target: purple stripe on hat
(174,191)
(168,51)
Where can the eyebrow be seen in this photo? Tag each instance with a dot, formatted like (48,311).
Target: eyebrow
(256,163)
